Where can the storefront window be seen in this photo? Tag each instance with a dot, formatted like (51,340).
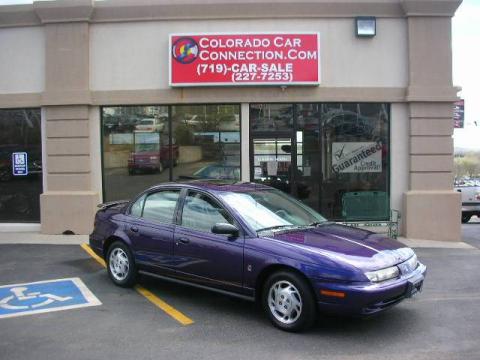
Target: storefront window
(207,140)
(21,145)
(335,158)
(139,151)
(135,149)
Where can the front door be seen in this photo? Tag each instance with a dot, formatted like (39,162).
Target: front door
(273,160)
(286,150)
(202,256)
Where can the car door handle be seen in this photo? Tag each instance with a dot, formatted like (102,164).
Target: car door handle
(182,241)
(134,228)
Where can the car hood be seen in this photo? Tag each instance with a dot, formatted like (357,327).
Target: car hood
(359,248)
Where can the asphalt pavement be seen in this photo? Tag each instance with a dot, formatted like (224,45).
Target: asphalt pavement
(443,322)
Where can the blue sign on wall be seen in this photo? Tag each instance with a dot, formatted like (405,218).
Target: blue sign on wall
(45,296)
(19,163)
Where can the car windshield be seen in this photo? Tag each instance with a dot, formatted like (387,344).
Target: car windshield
(271,209)
(146,122)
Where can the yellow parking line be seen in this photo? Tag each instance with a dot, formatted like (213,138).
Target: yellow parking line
(90,252)
(170,310)
(174,313)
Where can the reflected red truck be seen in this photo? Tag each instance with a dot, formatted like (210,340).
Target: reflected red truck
(153,160)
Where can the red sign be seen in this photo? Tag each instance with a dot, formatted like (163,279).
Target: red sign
(244,59)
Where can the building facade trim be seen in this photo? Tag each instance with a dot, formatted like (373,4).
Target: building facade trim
(43,12)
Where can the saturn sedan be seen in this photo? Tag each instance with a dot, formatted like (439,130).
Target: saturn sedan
(257,243)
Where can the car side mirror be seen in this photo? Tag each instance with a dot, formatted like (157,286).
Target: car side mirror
(225,229)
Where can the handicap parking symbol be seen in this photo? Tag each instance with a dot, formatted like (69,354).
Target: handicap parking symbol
(45,296)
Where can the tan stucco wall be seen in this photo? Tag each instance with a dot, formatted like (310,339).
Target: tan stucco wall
(22,60)
(346,61)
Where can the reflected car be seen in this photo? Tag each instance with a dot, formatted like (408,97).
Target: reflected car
(215,171)
(257,243)
(151,125)
(152,161)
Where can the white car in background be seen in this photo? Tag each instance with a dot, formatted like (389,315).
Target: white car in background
(150,125)
(470,199)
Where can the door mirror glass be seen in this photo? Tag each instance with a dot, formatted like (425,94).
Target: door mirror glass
(225,229)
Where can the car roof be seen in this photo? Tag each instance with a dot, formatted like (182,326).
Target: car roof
(215,185)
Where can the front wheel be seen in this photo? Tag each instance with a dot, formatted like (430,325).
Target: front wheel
(289,302)
(121,265)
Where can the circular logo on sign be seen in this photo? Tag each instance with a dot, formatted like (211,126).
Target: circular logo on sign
(185,50)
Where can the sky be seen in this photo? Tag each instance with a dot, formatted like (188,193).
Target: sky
(466,68)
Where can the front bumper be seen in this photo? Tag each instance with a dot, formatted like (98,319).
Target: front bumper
(369,298)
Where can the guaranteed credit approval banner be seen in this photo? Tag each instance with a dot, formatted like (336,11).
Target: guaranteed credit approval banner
(244,59)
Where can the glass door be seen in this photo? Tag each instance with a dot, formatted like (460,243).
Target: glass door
(272,161)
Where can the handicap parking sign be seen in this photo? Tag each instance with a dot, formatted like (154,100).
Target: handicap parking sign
(19,164)
(45,296)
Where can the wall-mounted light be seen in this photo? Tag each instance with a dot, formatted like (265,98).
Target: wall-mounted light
(365,26)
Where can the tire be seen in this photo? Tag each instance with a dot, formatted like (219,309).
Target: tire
(297,295)
(466,218)
(124,275)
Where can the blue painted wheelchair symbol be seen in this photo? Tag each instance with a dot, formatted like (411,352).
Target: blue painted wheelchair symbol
(44,296)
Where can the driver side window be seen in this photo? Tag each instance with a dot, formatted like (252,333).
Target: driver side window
(201,212)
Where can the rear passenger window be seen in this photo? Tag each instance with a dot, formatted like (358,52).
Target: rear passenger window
(160,206)
(201,212)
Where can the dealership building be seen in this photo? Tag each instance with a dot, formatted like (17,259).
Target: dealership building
(345,105)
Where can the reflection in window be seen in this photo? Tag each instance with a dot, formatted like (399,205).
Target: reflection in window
(265,117)
(20,131)
(136,149)
(200,213)
(160,206)
(338,160)
(207,138)
(139,151)
(355,161)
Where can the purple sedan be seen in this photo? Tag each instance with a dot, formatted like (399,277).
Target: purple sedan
(257,243)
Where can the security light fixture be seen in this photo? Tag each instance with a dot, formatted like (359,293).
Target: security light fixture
(365,26)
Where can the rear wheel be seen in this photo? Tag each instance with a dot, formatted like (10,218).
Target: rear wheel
(288,301)
(121,265)
(466,218)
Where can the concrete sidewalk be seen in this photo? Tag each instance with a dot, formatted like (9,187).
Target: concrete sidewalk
(37,238)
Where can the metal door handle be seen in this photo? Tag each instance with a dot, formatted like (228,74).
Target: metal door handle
(183,241)
(134,228)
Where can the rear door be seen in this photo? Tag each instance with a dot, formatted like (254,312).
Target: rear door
(151,229)
(202,256)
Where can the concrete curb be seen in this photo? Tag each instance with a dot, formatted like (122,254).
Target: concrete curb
(418,243)
(37,238)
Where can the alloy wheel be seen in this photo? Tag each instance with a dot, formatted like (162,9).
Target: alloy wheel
(285,302)
(119,264)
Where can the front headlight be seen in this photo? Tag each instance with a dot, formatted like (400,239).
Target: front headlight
(382,275)
(412,263)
